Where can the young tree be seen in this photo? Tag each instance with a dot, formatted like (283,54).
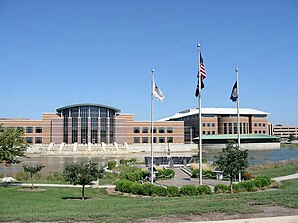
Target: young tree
(12,145)
(32,170)
(291,138)
(232,161)
(81,174)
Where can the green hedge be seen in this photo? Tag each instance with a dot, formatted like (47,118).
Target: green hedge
(111,164)
(221,188)
(262,181)
(165,174)
(188,190)
(207,174)
(173,191)
(204,189)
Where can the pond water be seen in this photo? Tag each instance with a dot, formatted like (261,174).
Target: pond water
(58,163)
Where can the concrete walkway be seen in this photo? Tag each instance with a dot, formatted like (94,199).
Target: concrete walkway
(284,219)
(288,177)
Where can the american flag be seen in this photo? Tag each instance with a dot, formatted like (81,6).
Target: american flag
(202,72)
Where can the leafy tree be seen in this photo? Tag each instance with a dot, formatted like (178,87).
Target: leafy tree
(291,138)
(32,170)
(12,145)
(82,174)
(232,161)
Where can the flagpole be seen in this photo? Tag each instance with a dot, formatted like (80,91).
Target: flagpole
(238,115)
(200,116)
(152,124)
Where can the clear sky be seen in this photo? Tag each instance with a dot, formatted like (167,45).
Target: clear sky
(56,53)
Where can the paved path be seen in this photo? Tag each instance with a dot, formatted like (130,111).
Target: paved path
(288,177)
(283,219)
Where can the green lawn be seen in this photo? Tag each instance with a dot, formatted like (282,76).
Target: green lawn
(278,171)
(51,205)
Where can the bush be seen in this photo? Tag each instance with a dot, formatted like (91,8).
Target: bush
(166,173)
(55,176)
(204,189)
(124,186)
(262,181)
(247,175)
(209,174)
(119,185)
(111,164)
(221,188)
(173,191)
(160,191)
(135,176)
(188,190)
(22,176)
(147,189)
(247,185)
(136,188)
(195,173)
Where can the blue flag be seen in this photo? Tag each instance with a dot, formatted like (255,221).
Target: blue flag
(234,94)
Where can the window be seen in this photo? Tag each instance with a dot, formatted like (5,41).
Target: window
(29,140)
(230,128)
(29,129)
(145,130)
(154,130)
(213,132)
(235,128)
(170,139)
(256,132)
(260,132)
(203,124)
(38,139)
(161,130)
(208,132)
(264,132)
(154,139)
(136,139)
(225,128)
(260,124)
(144,139)
(161,139)
(170,130)
(136,130)
(264,124)
(204,132)
(208,124)
(38,129)
(213,125)
(256,124)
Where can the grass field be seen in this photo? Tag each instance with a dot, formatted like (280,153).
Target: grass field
(274,170)
(53,205)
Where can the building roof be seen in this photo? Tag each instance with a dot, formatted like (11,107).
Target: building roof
(87,104)
(215,111)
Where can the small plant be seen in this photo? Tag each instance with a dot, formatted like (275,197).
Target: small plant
(188,190)
(204,189)
(136,188)
(111,164)
(32,170)
(160,191)
(147,189)
(173,191)
(221,188)
(262,181)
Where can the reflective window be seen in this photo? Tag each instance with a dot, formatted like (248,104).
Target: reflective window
(136,129)
(170,130)
(161,130)
(38,139)
(161,139)
(38,129)
(29,139)
(170,139)
(144,139)
(29,129)
(145,130)
(136,139)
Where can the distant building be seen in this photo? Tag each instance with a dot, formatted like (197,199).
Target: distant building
(284,132)
(221,121)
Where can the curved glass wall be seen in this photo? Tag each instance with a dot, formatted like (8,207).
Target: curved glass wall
(88,123)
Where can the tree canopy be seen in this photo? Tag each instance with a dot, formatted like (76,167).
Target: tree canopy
(32,170)
(232,161)
(81,174)
(12,145)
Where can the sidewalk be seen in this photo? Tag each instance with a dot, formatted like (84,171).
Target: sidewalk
(284,219)
(288,177)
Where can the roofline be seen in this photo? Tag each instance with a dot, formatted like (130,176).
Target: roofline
(87,104)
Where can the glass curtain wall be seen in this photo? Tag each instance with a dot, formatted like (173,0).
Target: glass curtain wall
(84,112)
(94,124)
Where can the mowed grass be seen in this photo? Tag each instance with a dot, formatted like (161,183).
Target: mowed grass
(276,171)
(52,205)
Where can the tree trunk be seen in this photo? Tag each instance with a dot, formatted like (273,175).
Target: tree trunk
(231,185)
(83,192)
(31,176)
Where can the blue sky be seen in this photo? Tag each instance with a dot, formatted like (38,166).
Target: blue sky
(56,53)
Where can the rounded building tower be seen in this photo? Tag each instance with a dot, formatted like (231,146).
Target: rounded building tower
(88,123)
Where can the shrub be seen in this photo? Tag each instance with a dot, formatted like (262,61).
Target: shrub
(119,185)
(135,176)
(147,189)
(188,190)
(111,164)
(262,181)
(209,174)
(22,176)
(123,162)
(195,173)
(221,188)
(173,191)
(136,188)
(166,173)
(55,176)
(127,186)
(204,189)
(247,185)
(247,175)
(160,191)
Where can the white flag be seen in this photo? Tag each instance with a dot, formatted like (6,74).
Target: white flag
(158,93)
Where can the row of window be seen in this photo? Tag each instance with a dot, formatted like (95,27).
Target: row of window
(208,124)
(30,139)
(30,129)
(260,132)
(260,124)
(208,132)
(146,130)
(146,139)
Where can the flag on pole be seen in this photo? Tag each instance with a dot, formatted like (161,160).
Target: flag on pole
(234,94)
(157,92)
(202,74)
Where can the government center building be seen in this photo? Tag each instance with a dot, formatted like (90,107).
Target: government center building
(98,124)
